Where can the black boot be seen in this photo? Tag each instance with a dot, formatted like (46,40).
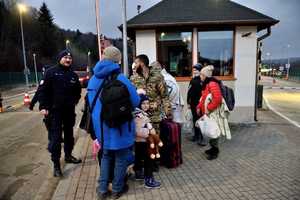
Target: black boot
(56,169)
(72,159)
(213,154)
(209,151)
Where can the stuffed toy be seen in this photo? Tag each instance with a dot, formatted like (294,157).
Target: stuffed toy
(154,143)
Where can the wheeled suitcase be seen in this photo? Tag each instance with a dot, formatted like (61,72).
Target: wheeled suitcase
(170,134)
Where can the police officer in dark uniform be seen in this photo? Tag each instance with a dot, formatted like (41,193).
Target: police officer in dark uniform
(35,99)
(59,94)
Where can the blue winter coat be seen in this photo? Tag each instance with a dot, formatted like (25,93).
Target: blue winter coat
(113,140)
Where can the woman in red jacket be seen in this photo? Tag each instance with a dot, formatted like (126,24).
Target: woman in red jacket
(210,86)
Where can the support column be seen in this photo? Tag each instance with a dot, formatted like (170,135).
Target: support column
(195,46)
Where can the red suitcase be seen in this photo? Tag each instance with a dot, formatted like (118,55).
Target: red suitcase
(170,134)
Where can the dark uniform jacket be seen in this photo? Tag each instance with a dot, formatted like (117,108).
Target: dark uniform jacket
(60,89)
(194,93)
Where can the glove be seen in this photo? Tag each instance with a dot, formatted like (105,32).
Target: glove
(95,148)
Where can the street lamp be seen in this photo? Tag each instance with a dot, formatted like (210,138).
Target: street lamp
(125,52)
(67,44)
(22,9)
(288,64)
(270,62)
(98,26)
(36,77)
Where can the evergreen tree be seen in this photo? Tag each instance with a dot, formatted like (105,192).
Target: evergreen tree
(47,32)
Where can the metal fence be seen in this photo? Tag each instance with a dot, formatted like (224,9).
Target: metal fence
(16,78)
(294,73)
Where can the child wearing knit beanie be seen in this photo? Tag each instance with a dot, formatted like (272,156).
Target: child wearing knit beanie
(144,165)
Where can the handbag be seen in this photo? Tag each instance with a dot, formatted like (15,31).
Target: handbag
(209,127)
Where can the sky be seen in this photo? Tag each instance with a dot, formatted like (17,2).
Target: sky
(80,14)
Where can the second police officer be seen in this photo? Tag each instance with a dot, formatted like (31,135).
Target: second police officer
(59,93)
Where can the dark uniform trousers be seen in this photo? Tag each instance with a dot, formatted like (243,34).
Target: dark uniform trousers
(61,120)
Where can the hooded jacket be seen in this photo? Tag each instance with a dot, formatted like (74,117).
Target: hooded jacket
(113,139)
(210,86)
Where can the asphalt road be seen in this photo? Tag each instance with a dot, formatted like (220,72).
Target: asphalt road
(285,101)
(283,97)
(25,161)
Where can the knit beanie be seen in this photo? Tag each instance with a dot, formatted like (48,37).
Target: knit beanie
(112,53)
(142,99)
(63,53)
(198,66)
(207,71)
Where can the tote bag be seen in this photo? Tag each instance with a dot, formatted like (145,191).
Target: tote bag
(209,127)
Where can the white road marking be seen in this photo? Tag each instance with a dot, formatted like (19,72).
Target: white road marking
(282,88)
(281,115)
(18,95)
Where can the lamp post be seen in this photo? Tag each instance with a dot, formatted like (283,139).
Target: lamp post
(98,27)
(36,76)
(22,9)
(270,63)
(125,56)
(288,63)
(88,68)
(88,58)
(67,44)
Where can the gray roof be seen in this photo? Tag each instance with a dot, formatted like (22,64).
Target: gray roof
(199,12)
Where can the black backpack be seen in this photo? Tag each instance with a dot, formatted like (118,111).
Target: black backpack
(116,104)
(228,96)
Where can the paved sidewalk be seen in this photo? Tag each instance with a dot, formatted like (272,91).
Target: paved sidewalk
(262,161)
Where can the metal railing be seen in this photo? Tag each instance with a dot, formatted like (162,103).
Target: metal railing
(8,79)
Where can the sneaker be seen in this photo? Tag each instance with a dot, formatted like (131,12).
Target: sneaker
(139,175)
(151,183)
(117,195)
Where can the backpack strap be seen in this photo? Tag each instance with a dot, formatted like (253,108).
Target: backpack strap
(96,96)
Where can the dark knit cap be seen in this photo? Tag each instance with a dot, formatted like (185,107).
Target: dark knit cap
(198,66)
(143,98)
(63,53)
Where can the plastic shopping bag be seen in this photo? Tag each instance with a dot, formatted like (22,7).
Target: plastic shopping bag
(209,127)
(188,125)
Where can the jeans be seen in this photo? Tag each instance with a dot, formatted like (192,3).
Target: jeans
(120,160)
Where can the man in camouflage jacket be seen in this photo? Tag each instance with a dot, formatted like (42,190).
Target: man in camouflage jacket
(150,79)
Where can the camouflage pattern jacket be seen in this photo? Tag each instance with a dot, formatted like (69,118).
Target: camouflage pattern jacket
(156,90)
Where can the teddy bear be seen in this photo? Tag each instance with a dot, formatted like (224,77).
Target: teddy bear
(154,143)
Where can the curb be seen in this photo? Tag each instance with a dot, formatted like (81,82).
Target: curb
(72,172)
(49,186)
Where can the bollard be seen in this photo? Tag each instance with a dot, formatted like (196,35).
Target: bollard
(26,99)
(1,104)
